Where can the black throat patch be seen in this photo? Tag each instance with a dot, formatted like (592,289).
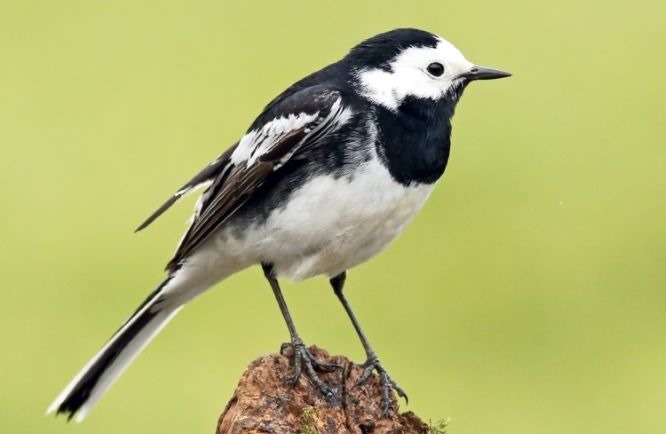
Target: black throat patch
(415,140)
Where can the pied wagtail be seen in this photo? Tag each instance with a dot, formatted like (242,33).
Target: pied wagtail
(326,177)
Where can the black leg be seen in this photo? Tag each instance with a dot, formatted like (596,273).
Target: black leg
(372,361)
(302,356)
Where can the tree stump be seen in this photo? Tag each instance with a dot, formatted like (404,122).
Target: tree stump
(265,401)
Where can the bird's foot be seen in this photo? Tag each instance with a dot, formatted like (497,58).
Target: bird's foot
(387,384)
(303,358)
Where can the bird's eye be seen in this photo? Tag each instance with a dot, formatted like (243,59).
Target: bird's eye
(436,69)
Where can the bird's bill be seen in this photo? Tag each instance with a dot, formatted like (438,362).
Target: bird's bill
(481,73)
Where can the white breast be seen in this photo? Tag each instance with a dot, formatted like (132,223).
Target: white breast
(329,225)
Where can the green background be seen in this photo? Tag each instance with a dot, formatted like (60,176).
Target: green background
(528,297)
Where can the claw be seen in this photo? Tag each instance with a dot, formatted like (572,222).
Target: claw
(387,384)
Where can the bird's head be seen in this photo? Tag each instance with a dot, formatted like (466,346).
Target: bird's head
(402,63)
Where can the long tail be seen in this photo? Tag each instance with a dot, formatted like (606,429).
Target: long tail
(89,385)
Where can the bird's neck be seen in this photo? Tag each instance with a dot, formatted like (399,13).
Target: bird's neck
(414,141)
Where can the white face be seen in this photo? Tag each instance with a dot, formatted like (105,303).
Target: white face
(409,75)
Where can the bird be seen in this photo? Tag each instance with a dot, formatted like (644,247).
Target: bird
(330,172)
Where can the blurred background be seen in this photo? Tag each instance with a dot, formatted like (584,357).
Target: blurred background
(528,297)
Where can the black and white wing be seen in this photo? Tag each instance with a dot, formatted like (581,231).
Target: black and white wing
(201,179)
(286,130)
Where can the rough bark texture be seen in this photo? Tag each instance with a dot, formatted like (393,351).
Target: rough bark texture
(265,402)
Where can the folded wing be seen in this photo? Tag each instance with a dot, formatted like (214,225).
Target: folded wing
(285,131)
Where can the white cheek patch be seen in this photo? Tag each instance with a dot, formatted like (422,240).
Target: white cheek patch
(408,76)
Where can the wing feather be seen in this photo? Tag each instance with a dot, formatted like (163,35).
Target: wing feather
(307,117)
(206,175)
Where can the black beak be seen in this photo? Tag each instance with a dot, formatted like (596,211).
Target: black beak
(481,73)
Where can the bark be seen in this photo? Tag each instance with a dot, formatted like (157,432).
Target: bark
(265,401)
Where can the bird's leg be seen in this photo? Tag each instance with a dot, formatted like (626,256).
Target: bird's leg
(302,356)
(372,361)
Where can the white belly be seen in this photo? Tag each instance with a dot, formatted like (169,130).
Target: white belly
(328,226)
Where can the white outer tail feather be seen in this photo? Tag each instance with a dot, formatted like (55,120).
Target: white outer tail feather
(121,362)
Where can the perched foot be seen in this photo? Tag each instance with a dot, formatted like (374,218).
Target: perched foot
(372,364)
(303,358)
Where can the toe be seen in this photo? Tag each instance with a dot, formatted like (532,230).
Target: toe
(304,360)
(327,367)
(364,376)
